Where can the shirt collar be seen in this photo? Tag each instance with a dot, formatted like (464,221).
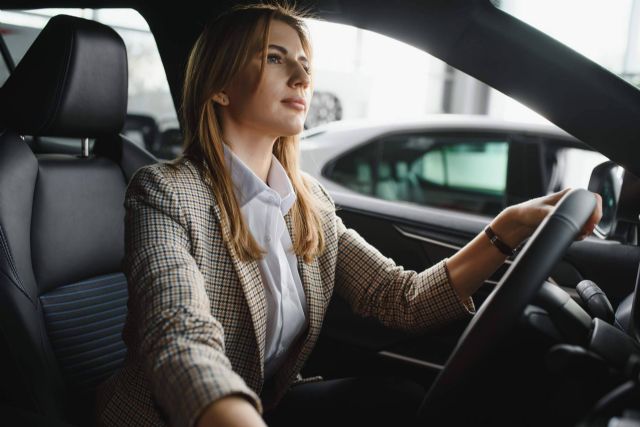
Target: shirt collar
(248,185)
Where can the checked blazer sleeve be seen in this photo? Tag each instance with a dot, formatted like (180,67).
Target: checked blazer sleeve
(179,341)
(375,286)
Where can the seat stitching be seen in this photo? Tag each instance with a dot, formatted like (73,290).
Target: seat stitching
(16,279)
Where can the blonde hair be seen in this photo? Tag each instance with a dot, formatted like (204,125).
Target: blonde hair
(219,53)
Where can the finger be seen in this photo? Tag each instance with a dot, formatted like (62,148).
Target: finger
(584,234)
(587,231)
(542,212)
(596,216)
(555,197)
(598,206)
(593,220)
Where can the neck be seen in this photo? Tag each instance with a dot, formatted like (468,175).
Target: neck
(252,147)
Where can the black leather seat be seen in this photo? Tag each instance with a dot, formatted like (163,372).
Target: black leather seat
(62,294)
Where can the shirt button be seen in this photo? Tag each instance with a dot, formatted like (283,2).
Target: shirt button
(268,238)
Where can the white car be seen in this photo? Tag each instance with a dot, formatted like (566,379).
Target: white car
(468,163)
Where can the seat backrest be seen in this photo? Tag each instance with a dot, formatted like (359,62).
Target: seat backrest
(62,293)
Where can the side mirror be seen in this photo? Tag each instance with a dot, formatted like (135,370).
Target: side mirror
(606,180)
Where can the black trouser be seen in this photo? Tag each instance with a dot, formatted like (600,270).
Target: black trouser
(366,401)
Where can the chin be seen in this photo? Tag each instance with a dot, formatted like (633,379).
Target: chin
(292,130)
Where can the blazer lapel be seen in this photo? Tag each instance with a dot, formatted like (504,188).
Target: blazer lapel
(251,282)
(314,294)
(312,284)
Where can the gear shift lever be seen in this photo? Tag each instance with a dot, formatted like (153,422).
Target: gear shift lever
(597,303)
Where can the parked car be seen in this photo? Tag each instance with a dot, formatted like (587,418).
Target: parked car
(532,355)
(471,164)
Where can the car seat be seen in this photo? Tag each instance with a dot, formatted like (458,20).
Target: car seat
(62,293)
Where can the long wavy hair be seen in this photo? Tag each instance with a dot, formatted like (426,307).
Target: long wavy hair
(218,55)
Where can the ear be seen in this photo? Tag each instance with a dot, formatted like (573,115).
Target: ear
(221,98)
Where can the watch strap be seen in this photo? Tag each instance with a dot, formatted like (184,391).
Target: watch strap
(495,240)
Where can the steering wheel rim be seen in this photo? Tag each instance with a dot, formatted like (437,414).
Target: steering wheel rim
(517,288)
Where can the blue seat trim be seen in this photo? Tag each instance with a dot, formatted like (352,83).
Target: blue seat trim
(84,321)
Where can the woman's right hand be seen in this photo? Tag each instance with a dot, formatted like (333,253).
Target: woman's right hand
(230,411)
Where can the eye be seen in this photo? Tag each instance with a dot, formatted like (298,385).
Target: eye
(274,58)
(307,68)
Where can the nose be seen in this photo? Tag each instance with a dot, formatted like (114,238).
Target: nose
(299,77)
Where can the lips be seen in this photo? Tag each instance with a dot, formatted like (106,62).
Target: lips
(295,102)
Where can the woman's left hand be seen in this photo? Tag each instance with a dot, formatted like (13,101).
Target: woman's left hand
(474,263)
(529,214)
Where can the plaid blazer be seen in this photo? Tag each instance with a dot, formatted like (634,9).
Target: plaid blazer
(196,322)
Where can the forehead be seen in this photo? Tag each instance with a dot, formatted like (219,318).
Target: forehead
(286,36)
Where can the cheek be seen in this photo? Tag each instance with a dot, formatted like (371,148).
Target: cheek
(265,102)
(260,108)
(246,104)
(269,89)
(242,91)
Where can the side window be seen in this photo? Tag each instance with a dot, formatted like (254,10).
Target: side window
(474,166)
(466,174)
(461,173)
(356,170)
(572,166)
(433,166)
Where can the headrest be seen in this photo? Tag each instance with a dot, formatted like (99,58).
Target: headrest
(72,82)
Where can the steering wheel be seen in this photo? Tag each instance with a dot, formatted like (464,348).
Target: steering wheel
(506,303)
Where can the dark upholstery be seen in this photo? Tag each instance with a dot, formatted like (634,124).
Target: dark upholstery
(62,294)
(77,229)
(71,82)
(623,314)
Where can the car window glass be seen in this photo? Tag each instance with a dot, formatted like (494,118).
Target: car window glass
(480,166)
(355,169)
(357,77)
(462,173)
(616,43)
(572,166)
(465,174)
(149,95)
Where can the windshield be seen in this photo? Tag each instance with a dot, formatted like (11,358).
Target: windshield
(607,32)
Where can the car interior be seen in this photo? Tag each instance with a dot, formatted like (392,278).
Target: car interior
(555,340)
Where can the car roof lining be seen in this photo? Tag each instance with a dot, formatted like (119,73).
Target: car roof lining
(470,35)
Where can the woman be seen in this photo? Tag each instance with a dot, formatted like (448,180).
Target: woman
(233,253)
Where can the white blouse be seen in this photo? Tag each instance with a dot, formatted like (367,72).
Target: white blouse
(263,207)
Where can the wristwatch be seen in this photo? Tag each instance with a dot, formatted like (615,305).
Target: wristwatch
(495,240)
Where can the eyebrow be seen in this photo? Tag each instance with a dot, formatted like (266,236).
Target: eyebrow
(285,51)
